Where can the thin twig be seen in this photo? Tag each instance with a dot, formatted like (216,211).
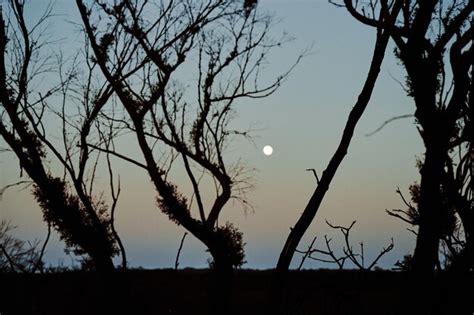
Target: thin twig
(39,263)
(307,253)
(13,265)
(315,174)
(387,122)
(4,188)
(176,263)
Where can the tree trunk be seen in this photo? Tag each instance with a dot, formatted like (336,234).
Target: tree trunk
(425,256)
(102,262)
(312,207)
(221,283)
(279,290)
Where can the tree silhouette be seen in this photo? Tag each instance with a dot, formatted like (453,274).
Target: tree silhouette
(388,13)
(223,46)
(434,43)
(29,120)
(456,188)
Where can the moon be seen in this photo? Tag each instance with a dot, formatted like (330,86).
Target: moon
(267,150)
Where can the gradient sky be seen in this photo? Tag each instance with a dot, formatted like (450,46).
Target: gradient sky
(303,122)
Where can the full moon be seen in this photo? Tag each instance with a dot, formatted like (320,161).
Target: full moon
(267,150)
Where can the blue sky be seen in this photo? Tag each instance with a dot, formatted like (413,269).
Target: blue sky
(303,121)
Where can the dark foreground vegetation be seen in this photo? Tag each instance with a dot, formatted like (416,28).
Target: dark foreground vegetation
(185,292)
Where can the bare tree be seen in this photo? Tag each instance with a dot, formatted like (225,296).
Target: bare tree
(146,51)
(388,13)
(349,254)
(434,41)
(31,114)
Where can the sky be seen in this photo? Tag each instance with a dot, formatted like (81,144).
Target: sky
(303,122)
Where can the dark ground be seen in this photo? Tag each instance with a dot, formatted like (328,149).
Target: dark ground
(185,292)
